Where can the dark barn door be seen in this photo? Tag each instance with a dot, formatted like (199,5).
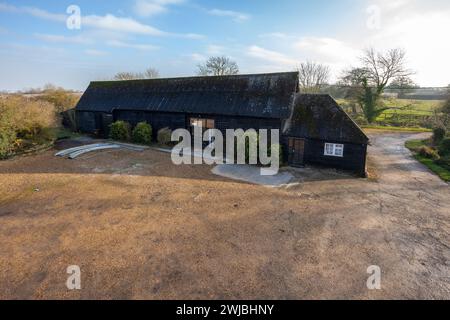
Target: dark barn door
(296,152)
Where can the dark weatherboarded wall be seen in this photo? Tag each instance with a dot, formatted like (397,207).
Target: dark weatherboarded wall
(319,119)
(354,158)
(94,122)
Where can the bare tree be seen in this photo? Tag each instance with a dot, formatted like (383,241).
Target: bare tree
(151,73)
(368,82)
(218,66)
(382,68)
(313,76)
(127,76)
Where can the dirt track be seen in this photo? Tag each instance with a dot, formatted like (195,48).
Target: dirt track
(141,228)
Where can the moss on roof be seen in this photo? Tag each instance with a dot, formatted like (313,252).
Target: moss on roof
(259,95)
(318,116)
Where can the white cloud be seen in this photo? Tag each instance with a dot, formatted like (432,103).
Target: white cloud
(421,28)
(108,22)
(122,44)
(197,57)
(235,15)
(126,25)
(193,36)
(271,56)
(36,12)
(39,13)
(63,39)
(213,49)
(276,35)
(326,50)
(147,8)
(333,53)
(95,53)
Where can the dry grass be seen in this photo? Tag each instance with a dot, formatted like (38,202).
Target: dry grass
(140,227)
(25,123)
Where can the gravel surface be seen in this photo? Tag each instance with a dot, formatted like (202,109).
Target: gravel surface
(140,227)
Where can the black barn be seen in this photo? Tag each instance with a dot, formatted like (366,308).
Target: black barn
(313,128)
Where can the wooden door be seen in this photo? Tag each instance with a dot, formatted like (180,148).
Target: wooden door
(296,152)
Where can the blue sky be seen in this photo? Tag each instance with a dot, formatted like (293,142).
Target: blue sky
(36,47)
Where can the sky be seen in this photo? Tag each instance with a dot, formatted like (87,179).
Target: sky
(70,43)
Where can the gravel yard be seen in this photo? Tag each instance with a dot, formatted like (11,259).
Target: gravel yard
(142,228)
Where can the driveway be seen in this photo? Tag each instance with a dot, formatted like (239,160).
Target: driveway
(140,227)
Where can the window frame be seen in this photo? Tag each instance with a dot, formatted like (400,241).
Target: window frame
(206,123)
(334,147)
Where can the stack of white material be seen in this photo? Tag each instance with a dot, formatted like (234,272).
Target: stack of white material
(72,153)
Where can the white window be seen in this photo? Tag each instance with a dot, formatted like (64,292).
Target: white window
(334,149)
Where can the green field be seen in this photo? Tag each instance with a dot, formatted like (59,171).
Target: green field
(417,105)
(404,106)
(403,112)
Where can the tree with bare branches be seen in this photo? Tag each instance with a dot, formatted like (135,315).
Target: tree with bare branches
(218,66)
(313,76)
(150,73)
(126,76)
(369,81)
(382,68)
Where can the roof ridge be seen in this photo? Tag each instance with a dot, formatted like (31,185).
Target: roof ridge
(201,77)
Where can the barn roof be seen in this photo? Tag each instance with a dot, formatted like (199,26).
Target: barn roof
(258,95)
(318,116)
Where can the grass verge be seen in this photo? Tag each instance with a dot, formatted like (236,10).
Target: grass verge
(398,129)
(414,146)
(64,133)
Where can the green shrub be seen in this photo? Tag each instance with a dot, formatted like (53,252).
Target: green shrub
(428,152)
(142,133)
(120,131)
(444,147)
(164,136)
(438,135)
(7,139)
(25,123)
(444,162)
